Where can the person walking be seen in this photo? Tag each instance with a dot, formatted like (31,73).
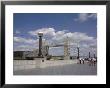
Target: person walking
(93,61)
(90,61)
(80,60)
(83,60)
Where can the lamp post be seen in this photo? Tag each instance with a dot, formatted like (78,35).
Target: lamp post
(78,52)
(94,55)
(89,55)
(40,34)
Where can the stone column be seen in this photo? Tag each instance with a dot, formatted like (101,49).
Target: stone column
(40,44)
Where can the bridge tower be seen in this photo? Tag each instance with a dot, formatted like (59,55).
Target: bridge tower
(66,49)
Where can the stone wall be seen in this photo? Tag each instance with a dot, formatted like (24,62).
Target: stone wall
(30,64)
(25,64)
(48,63)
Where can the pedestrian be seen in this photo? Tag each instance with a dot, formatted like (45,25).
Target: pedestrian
(80,60)
(94,61)
(83,60)
(90,61)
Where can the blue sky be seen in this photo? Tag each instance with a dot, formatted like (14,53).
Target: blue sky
(55,26)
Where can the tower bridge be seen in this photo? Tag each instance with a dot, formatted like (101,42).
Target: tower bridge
(44,49)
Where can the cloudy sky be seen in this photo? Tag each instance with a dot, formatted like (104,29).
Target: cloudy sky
(80,28)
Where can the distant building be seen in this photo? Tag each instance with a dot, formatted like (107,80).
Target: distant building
(18,54)
(29,54)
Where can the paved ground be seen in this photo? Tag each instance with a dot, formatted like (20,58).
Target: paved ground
(73,69)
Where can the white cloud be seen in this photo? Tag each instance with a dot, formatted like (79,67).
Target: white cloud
(46,32)
(73,37)
(82,17)
(24,40)
(25,47)
(56,51)
(93,15)
(23,44)
(81,36)
(17,32)
(57,38)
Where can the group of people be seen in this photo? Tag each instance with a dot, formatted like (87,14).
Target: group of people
(81,60)
(91,61)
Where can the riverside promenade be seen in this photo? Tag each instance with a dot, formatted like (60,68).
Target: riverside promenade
(70,69)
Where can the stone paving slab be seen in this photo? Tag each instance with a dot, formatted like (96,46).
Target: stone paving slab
(72,69)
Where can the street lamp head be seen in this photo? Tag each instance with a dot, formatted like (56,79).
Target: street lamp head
(40,34)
